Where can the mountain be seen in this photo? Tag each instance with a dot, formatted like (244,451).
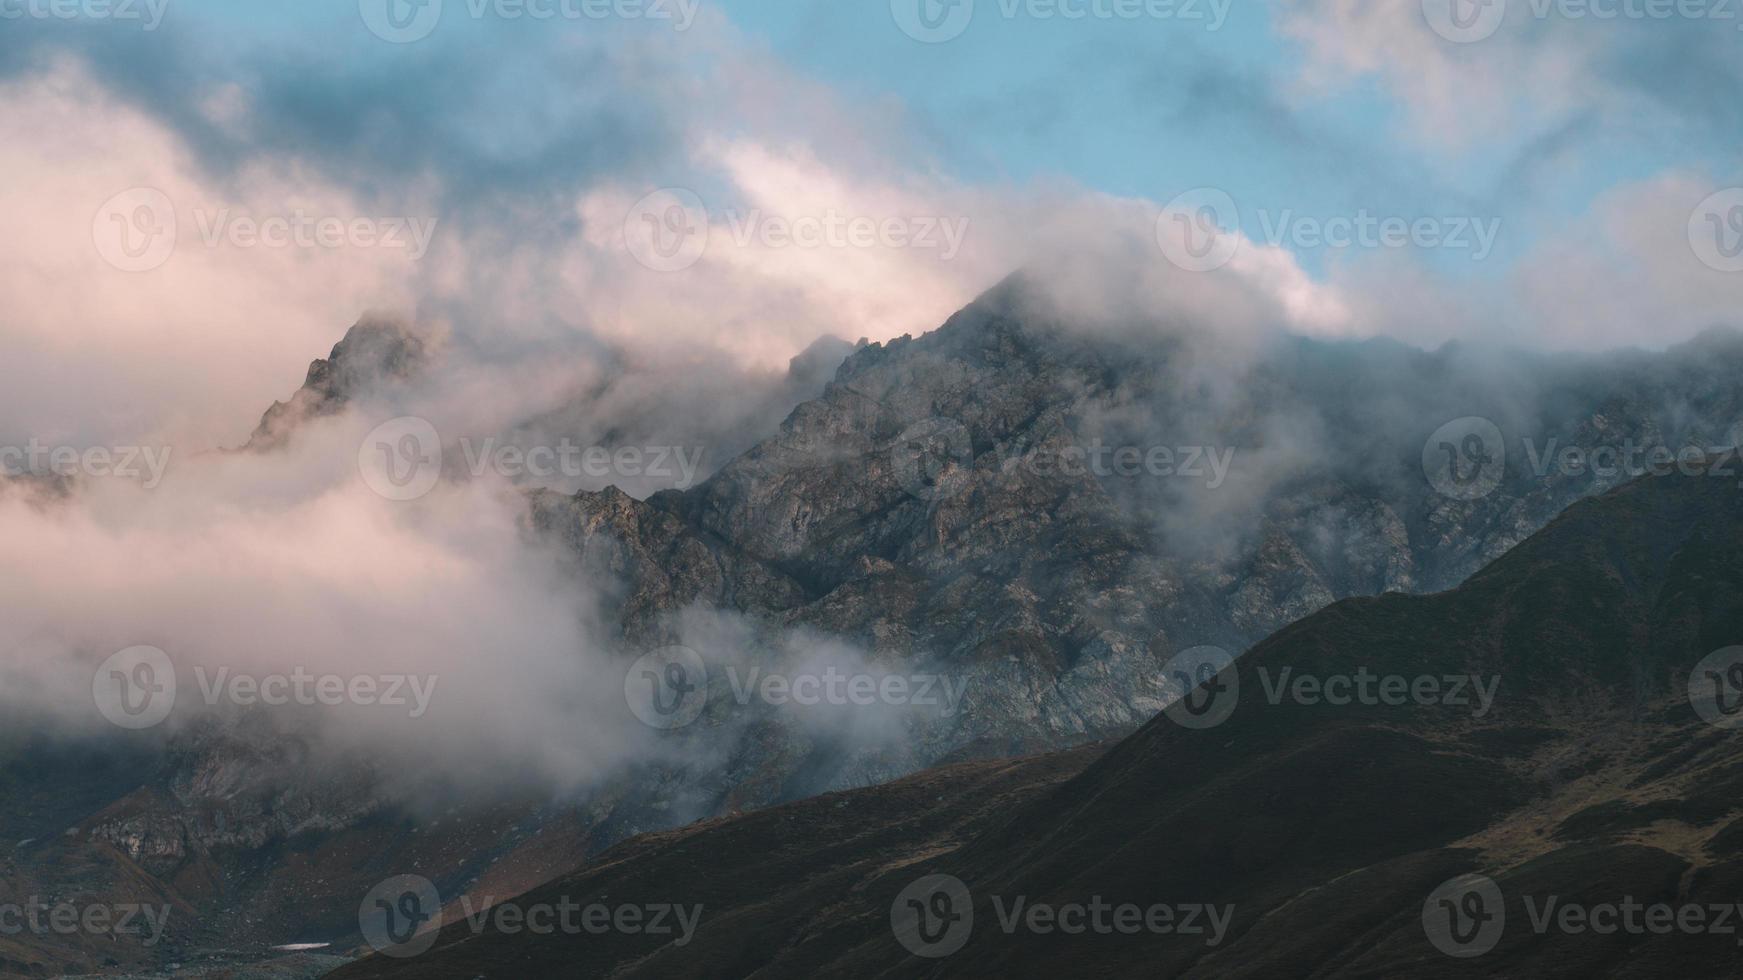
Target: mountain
(1058,592)
(376,350)
(1323,829)
(928,511)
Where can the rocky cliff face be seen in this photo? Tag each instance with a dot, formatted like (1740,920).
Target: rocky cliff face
(941,505)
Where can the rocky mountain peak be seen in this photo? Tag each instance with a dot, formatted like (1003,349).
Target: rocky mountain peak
(377,348)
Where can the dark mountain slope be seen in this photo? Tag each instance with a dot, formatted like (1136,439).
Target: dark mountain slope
(1326,827)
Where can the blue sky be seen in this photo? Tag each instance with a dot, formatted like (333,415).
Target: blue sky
(1587,145)
(1152,106)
